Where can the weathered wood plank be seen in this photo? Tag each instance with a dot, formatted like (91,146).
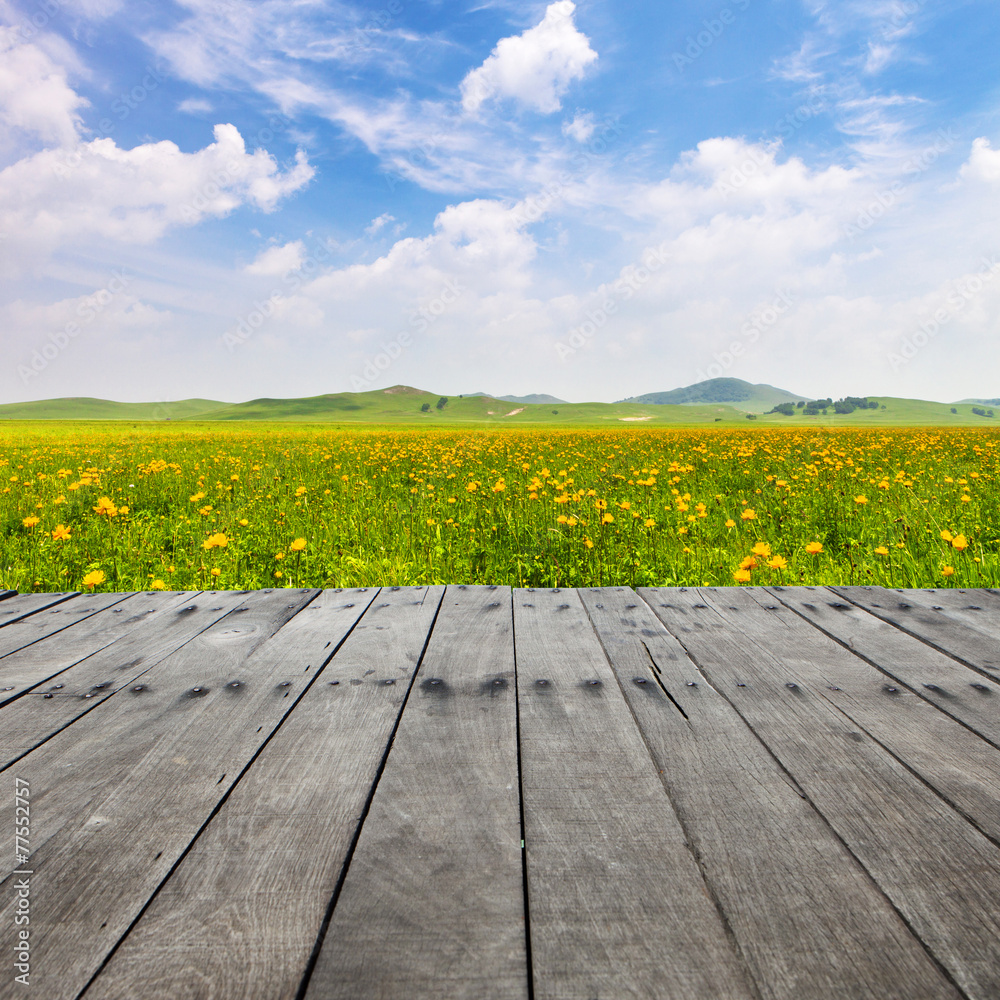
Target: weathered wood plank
(958,690)
(265,868)
(43,623)
(941,873)
(964,640)
(959,764)
(4,594)
(807,918)
(48,708)
(17,606)
(432,904)
(979,607)
(125,790)
(102,749)
(48,658)
(617,904)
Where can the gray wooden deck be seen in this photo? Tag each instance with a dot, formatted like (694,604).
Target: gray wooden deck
(481,793)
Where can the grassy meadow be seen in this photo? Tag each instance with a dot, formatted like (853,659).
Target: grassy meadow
(209,506)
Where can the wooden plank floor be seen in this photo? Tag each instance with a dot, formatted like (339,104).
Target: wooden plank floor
(489,794)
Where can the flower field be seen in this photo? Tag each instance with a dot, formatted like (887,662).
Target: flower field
(114,507)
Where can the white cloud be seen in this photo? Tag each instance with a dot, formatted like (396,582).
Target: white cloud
(580,128)
(56,342)
(34,95)
(277,261)
(377,224)
(983,163)
(534,68)
(134,195)
(195,106)
(879,56)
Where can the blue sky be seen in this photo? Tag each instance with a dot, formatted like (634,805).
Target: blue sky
(243,198)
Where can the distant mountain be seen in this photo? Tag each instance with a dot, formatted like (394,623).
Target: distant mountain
(984,402)
(534,397)
(744,395)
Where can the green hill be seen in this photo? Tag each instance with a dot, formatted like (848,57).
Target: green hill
(405,405)
(87,408)
(743,395)
(402,404)
(892,411)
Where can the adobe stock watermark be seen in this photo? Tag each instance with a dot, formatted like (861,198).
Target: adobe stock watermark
(632,279)
(901,11)
(377,23)
(44,12)
(121,108)
(421,320)
(759,321)
(965,291)
(532,208)
(417,159)
(60,340)
(757,158)
(712,29)
(263,309)
(887,199)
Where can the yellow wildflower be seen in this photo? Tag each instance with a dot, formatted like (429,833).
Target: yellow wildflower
(105,508)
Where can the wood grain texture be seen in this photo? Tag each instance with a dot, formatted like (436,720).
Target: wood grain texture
(48,708)
(264,870)
(958,764)
(618,906)
(961,692)
(126,789)
(941,873)
(737,806)
(964,639)
(432,904)
(46,660)
(17,606)
(43,623)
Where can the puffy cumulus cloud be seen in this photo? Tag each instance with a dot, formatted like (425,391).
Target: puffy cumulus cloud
(482,244)
(133,195)
(277,261)
(461,292)
(731,178)
(34,96)
(983,163)
(534,68)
